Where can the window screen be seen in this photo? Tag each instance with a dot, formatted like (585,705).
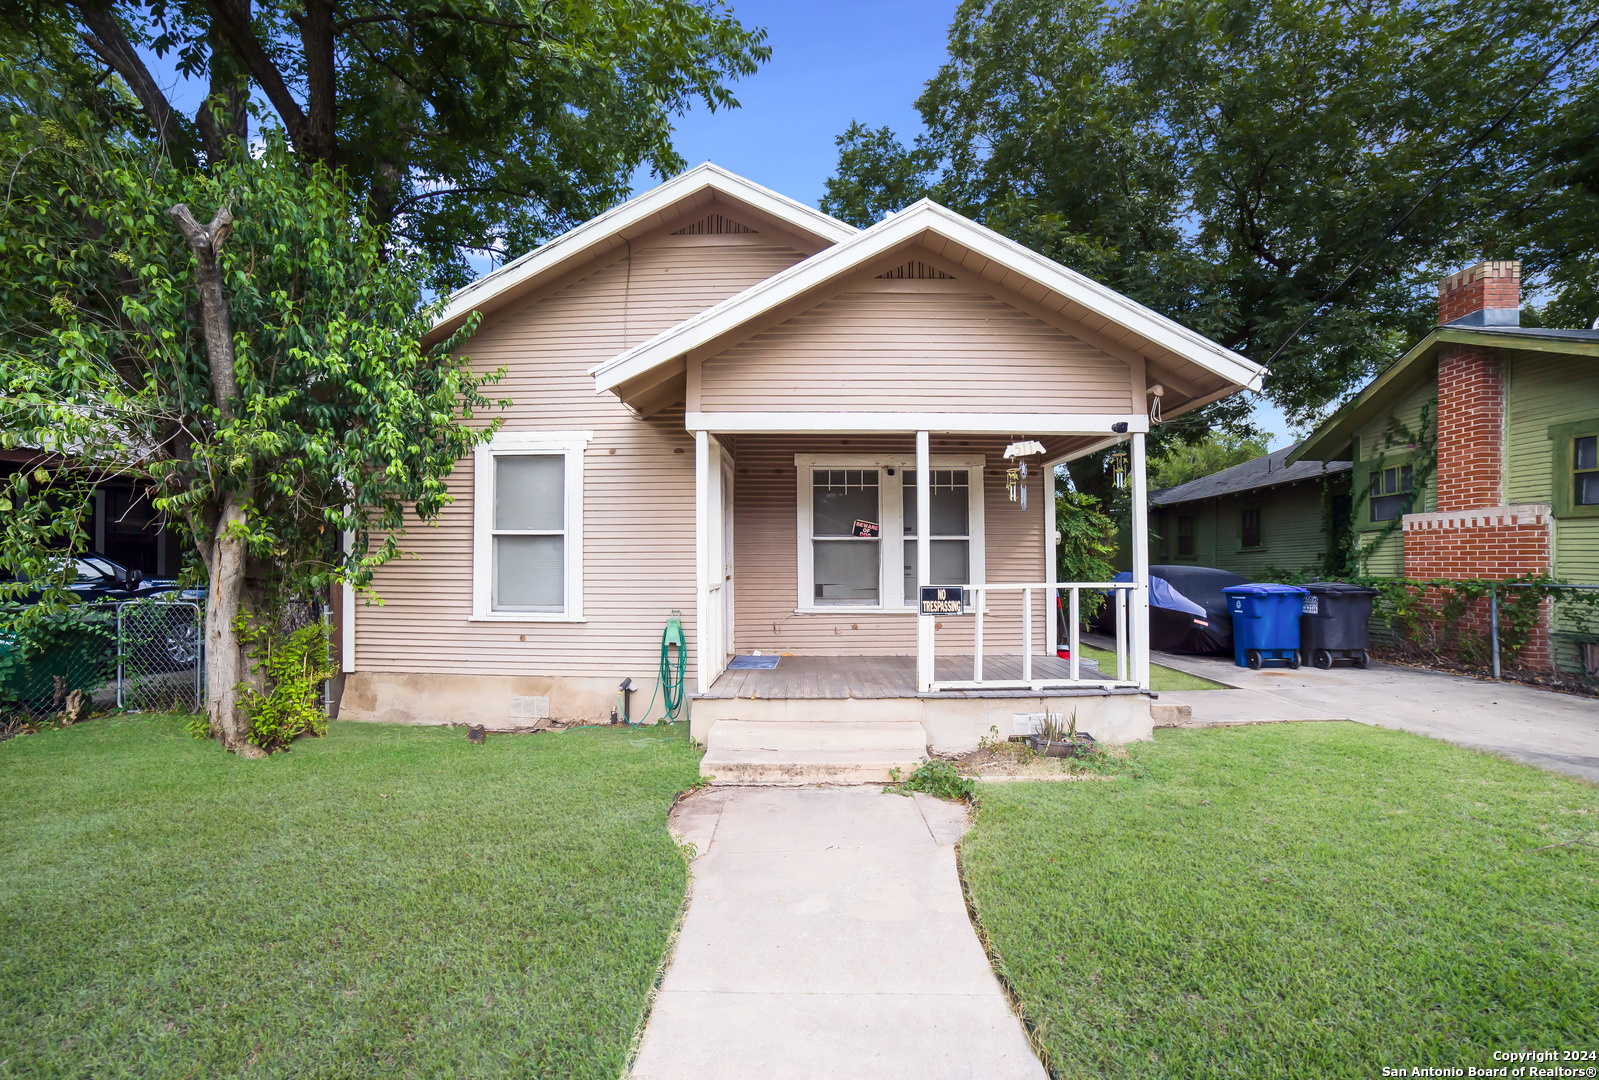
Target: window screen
(949,513)
(846,536)
(529,532)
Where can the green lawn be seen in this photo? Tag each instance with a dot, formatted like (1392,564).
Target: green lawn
(1294,900)
(387,901)
(1160,678)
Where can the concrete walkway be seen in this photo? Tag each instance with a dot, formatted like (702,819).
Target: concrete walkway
(1555,731)
(827,936)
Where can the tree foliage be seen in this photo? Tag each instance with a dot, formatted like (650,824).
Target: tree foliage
(1228,162)
(1179,462)
(461,125)
(328,415)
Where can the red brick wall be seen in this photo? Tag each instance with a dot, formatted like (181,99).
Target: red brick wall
(1470,429)
(1505,542)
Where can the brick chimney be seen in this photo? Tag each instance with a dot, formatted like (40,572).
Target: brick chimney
(1472,533)
(1488,294)
(1471,386)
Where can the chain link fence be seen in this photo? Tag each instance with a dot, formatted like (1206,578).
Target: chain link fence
(143,654)
(159,656)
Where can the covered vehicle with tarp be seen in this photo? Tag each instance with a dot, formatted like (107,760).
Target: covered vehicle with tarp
(1187,609)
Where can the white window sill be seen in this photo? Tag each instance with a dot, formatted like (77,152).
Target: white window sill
(526,617)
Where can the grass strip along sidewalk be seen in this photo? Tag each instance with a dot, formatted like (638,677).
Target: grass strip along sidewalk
(1295,900)
(1161,678)
(387,901)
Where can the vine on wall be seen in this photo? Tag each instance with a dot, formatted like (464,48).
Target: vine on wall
(1421,443)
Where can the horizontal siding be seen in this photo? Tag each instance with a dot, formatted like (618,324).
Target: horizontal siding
(1576,561)
(765,539)
(1387,558)
(1292,524)
(638,519)
(914,351)
(1542,390)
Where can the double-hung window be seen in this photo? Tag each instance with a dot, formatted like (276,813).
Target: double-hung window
(1185,536)
(1585,471)
(1391,491)
(1251,531)
(857,529)
(949,528)
(527,552)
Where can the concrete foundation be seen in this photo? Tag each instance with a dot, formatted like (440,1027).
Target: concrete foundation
(953,725)
(498,702)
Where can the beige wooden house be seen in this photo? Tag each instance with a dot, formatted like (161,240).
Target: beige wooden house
(733,408)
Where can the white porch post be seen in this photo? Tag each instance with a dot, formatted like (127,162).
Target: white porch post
(1051,595)
(1139,638)
(702,564)
(924,561)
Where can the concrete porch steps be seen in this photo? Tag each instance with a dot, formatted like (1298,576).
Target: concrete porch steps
(778,752)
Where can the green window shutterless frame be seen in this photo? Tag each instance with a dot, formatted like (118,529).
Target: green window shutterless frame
(1575,453)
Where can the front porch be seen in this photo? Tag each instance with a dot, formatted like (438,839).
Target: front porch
(830,678)
(854,719)
(815,549)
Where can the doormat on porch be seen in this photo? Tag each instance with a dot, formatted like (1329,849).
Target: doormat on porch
(754,663)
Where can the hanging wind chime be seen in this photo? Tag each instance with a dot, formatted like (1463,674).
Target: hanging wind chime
(1016,476)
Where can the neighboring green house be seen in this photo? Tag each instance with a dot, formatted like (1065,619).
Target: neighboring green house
(1476,454)
(1262,516)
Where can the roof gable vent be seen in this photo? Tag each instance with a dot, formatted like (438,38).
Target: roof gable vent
(713,225)
(918,271)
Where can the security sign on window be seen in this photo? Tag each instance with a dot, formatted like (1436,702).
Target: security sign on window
(943,600)
(867,529)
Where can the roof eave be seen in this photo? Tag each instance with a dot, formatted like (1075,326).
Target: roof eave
(567,249)
(904,227)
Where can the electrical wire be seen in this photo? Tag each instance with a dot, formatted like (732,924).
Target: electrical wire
(1387,234)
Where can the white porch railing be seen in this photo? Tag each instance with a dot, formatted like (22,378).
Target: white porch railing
(1120,598)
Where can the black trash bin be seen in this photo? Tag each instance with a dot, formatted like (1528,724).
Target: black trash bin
(1336,623)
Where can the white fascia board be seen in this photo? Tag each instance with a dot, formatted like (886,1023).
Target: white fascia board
(572,245)
(907,225)
(941,423)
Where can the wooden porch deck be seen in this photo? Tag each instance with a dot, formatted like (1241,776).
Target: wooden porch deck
(880,677)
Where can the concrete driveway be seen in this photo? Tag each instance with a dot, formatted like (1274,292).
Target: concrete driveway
(827,936)
(1555,731)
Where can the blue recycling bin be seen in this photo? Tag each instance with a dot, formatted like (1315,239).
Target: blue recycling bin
(1265,623)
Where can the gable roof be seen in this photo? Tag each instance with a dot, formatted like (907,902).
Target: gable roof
(681,194)
(1335,433)
(990,255)
(1268,470)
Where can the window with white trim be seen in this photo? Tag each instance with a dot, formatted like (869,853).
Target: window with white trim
(857,529)
(527,552)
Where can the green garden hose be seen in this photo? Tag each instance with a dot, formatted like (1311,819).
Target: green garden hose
(669,682)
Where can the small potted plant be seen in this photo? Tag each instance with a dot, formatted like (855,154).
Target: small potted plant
(1052,740)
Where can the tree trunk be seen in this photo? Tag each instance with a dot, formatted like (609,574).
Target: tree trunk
(226,666)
